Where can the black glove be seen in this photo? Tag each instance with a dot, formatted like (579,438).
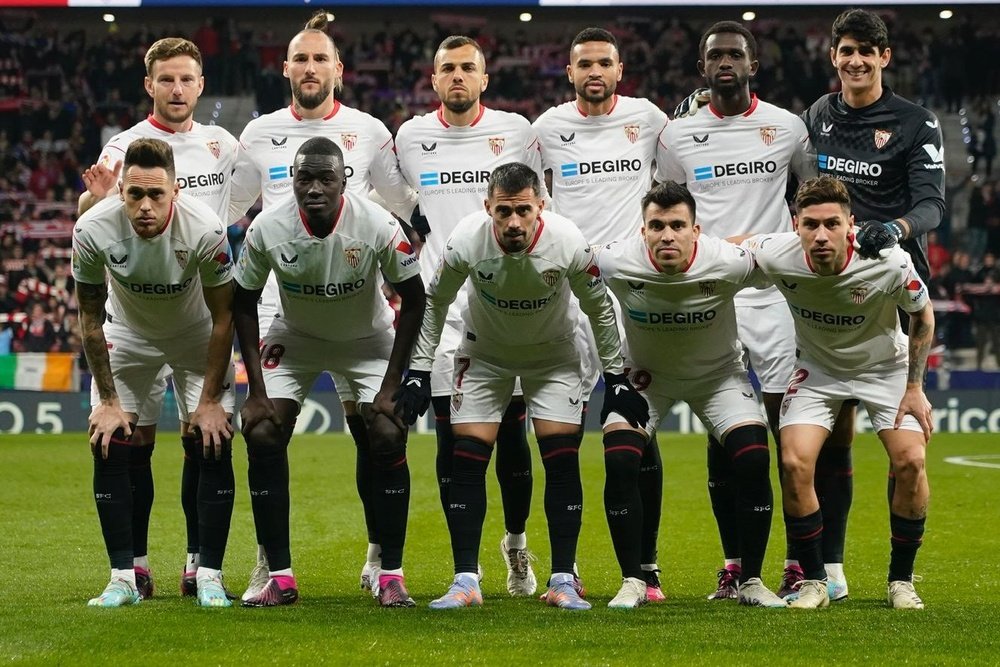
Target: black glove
(621,397)
(875,236)
(419,223)
(414,396)
(692,103)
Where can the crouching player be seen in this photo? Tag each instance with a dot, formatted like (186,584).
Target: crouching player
(850,346)
(521,269)
(326,248)
(169,304)
(676,288)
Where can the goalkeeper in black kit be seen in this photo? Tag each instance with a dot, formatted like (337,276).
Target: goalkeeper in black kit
(889,153)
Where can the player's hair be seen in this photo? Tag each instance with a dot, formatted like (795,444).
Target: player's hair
(729,27)
(170,47)
(822,190)
(321,146)
(513,177)
(457,42)
(318,23)
(864,26)
(594,35)
(669,194)
(150,154)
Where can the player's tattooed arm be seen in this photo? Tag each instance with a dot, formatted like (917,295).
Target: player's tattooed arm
(914,400)
(411,315)
(95,346)
(107,416)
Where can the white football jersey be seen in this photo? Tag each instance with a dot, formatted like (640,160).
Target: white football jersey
(737,168)
(268,145)
(680,326)
(450,167)
(519,304)
(330,288)
(204,158)
(155,284)
(601,165)
(846,323)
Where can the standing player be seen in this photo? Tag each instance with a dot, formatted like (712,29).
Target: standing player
(676,288)
(204,156)
(889,153)
(736,155)
(448,156)
(159,249)
(267,147)
(521,269)
(327,247)
(600,149)
(850,346)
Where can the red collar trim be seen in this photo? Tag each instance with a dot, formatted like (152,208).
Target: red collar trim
(850,256)
(479,116)
(336,108)
(753,107)
(614,103)
(531,246)
(158,125)
(170,216)
(336,220)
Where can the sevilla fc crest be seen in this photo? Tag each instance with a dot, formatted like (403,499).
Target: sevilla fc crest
(214,148)
(182,258)
(882,138)
(632,133)
(349,140)
(496,145)
(767,135)
(707,287)
(550,277)
(353,257)
(858,294)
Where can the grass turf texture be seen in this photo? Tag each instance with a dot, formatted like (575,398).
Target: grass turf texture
(53,560)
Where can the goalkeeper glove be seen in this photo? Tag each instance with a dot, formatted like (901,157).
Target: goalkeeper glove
(874,237)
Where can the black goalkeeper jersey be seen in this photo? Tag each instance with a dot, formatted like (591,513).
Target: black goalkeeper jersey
(890,156)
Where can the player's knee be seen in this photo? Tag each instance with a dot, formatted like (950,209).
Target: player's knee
(266,435)
(387,442)
(909,465)
(622,456)
(796,470)
(747,448)
(560,455)
(140,457)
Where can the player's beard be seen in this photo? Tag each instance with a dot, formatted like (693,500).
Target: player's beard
(459,105)
(311,101)
(173,114)
(595,98)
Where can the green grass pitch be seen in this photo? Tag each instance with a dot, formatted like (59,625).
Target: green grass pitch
(52,560)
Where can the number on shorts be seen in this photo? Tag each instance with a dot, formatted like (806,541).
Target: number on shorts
(798,377)
(463,364)
(270,357)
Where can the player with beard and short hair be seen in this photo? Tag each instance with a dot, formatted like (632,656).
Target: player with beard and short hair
(851,347)
(520,267)
(204,156)
(267,148)
(463,135)
(736,155)
(329,248)
(169,304)
(600,149)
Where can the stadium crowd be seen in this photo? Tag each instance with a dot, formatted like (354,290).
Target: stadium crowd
(64,93)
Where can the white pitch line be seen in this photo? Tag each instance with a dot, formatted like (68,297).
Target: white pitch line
(975,461)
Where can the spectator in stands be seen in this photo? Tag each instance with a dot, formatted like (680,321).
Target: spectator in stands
(937,254)
(37,333)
